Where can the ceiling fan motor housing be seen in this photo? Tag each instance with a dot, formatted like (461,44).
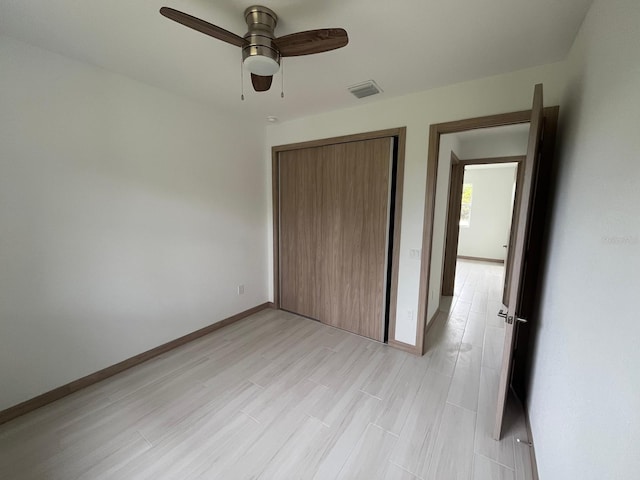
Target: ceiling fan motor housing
(261,56)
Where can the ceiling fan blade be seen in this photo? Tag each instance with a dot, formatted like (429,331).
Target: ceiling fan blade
(203,27)
(312,41)
(260,83)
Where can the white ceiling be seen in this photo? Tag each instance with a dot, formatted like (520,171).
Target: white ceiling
(406,46)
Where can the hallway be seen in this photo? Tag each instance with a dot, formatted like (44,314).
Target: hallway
(468,321)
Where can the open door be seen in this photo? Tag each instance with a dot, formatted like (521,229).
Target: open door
(517,201)
(518,253)
(456,182)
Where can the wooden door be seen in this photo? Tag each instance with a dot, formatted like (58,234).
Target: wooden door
(334,227)
(518,246)
(456,184)
(512,234)
(300,207)
(355,223)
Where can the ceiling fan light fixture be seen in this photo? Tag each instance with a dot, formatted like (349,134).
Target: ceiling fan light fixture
(259,56)
(261,65)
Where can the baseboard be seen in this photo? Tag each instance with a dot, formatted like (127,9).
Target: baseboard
(534,462)
(481,259)
(414,349)
(60,392)
(432,321)
(428,328)
(405,347)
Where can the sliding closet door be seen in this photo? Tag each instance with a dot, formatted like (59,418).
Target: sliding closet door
(300,219)
(355,222)
(334,227)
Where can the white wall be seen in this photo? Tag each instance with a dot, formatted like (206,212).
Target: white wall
(491,212)
(128,217)
(507,145)
(504,93)
(448,143)
(585,393)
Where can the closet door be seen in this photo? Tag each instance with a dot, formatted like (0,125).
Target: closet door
(300,219)
(355,224)
(334,226)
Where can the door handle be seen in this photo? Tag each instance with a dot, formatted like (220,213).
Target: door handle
(504,246)
(509,319)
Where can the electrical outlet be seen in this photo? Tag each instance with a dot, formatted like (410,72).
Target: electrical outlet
(240,289)
(414,253)
(409,314)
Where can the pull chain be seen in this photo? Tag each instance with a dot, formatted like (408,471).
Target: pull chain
(282,78)
(241,82)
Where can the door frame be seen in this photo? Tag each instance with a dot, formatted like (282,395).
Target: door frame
(453,213)
(397,182)
(435,131)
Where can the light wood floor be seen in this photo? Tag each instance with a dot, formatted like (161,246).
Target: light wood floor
(277,396)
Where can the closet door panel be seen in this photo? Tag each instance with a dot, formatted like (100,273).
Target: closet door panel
(354,228)
(300,204)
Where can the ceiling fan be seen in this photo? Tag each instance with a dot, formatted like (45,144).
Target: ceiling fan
(261,49)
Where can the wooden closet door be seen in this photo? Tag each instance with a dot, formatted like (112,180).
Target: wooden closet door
(300,207)
(355,223)
(334,224)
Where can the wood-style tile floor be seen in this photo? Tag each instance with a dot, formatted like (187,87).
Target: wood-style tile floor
(277,396)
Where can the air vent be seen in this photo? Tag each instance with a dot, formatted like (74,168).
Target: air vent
(365,89)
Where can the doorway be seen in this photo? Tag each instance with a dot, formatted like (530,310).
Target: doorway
(483,174)
(430,278)
(529,226)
